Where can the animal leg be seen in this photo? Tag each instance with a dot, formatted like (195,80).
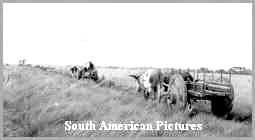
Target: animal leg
(169,105)
(159,92)
(189,103)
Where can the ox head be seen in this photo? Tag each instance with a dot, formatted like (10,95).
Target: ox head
(148,82)
(139,85)
(88,66)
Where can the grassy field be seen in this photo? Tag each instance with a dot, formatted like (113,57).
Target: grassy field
(38,102)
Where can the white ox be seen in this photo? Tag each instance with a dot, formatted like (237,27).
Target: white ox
(150,82)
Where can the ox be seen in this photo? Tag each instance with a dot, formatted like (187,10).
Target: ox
(74,71)
(88,71)
(149,82)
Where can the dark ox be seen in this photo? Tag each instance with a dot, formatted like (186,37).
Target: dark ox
(88,71)
(149,82)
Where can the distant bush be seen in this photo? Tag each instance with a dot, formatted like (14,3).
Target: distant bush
(28,65)
(41,67)
(245,72)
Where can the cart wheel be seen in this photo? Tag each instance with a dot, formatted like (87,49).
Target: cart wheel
(222,106)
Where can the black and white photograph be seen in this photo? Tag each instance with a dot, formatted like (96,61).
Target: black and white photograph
(127,70)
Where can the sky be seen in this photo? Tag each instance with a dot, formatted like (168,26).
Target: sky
(160,35)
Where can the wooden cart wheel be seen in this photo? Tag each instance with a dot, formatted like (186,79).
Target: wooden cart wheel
(221,106)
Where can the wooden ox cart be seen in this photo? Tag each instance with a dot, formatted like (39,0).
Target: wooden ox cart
(221,95)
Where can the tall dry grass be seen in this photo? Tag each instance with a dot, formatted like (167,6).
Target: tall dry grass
(38,102)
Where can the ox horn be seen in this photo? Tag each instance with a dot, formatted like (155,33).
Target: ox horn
(134,76)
